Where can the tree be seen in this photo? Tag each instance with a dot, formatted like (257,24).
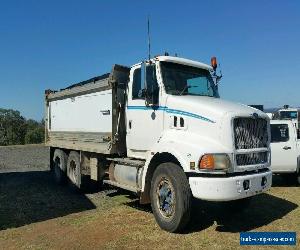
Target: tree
(34,132)
(12,127)
(35,135)
(15,129)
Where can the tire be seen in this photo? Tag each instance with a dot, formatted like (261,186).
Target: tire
(289,178)
(59,166)
(170,189)
(73,169)
(298,177)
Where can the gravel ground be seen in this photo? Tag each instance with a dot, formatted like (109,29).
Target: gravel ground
(27,186)
(24,158)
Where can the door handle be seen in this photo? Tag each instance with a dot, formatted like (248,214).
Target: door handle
(105,112)
(286,147)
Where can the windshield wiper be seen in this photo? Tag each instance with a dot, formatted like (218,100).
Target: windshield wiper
(187,87)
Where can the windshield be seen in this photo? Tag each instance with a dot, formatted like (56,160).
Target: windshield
(186,80)
(288,114)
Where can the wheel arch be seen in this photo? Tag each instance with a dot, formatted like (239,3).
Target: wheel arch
(156,160)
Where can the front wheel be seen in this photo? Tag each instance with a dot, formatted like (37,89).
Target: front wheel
(171,197)
(298,177)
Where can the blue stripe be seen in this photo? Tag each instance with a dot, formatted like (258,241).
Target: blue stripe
(147,108)
(171,111)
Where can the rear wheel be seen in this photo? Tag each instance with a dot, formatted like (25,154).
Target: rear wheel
(171,197)
(59,166)
(73,169)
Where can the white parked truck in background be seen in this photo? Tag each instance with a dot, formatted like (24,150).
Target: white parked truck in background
(285,147)
(287,113)
(159,129)
(270,115)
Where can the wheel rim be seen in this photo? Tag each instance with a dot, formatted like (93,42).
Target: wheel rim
(165,198)
(72,173)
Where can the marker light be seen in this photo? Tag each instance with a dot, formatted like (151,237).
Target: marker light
(207,162)
(214,162)
(213,62)
(192,165)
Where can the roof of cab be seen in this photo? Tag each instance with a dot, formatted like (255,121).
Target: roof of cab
(184,61)
(281,122)
(180,60)
(288,109)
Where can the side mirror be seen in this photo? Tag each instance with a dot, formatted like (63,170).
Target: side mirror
(143,75)
(142,93)
(151,96)
(148,97)
(214,64)
(148,91)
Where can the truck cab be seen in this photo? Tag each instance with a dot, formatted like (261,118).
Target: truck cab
(174,114)
(285,147)
(288,113)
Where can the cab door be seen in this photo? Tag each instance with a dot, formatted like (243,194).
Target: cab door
(144,120)
(283,148)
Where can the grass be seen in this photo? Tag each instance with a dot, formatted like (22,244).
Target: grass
(37,214)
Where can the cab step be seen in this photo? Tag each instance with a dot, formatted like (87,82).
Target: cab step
(117,184)
(128,162)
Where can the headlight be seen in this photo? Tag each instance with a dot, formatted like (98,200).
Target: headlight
(214,162)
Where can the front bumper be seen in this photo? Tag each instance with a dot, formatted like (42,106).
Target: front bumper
(230,188)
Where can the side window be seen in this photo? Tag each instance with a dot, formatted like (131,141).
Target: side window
(136,84)
(279,132)
(152,84)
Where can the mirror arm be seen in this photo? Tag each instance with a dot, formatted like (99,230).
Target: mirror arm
(219,78)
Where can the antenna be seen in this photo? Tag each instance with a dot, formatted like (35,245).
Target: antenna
(149,54)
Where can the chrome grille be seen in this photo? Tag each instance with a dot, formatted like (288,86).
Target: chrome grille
(252,158)
(250,133)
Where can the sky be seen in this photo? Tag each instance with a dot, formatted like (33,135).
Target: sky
(52,44)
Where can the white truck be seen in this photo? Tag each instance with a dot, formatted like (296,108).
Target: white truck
(285,147)
(159,129)
(287,113)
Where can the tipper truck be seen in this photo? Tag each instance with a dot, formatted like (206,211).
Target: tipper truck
(160,130)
